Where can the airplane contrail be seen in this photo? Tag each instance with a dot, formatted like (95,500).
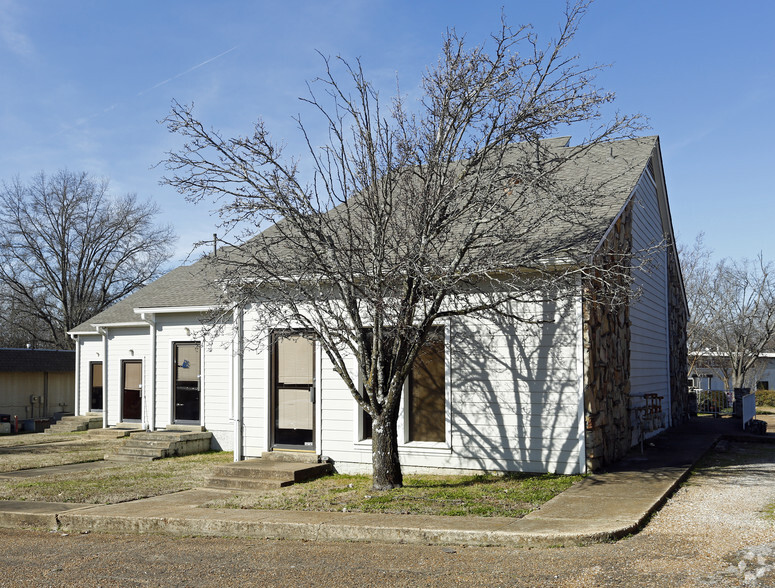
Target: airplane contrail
(189,70)
(84,119)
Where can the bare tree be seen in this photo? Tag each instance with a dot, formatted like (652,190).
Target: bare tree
(411,215)
(739,323)
(697,269)
(17,329)
(68,250)
(732,313)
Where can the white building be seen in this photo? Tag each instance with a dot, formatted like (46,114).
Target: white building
(503,396)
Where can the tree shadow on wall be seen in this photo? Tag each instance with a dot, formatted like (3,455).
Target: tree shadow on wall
(516,403)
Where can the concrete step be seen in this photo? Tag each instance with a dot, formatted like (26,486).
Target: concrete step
(66,428)
(291,456)
(170,436)
(128,458)
(152,444)
(259,474)
(257,470)
(71,424)
(161,444)
(185,428)
(113,432)
(246,484)
(152,452)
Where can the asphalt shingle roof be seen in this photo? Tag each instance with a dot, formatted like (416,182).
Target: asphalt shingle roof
(185,286)
(614,166)
(36,360)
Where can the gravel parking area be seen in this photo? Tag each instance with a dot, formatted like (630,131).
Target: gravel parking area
(723,515)
(715,531)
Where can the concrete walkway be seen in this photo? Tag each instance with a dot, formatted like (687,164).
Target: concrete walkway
(602,507)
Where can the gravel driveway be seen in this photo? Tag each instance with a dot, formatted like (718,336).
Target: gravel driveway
(714,531)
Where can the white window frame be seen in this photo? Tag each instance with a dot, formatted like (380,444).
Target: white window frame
(404,445)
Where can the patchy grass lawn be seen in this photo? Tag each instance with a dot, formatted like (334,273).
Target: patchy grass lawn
(126,481)
(510,495)
(38,438)
(38,450)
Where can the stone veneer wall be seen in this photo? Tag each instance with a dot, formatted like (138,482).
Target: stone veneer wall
(679,362)
(607,359)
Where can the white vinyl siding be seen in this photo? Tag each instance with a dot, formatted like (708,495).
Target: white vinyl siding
(214,384)
(125,343)
(649,360)
(255,363)
(513,398)
(90,351)
(512,392)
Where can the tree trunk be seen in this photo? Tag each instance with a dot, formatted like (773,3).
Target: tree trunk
(384,454)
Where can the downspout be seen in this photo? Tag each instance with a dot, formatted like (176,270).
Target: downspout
(77,399)
(582,436)
(104,332)
(667,343)
(150,318)
(202,385)
(236,370)
(44,404)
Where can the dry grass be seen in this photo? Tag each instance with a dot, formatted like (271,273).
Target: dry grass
(765,409)
(512,495)
(130,481)
(38,450)
(38,438)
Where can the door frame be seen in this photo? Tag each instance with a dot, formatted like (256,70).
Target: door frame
(91,385)
(174,380)
(122,389)
(273,389)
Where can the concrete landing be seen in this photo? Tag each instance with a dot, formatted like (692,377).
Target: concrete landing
(263,474)
(117,431)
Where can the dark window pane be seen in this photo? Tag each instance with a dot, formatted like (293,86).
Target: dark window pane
(95,385)
(132,396)
(427,421)
(187,381)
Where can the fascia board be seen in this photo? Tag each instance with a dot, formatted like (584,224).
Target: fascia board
(173,310)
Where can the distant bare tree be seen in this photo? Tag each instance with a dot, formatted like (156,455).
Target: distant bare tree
(697,269)
(68,250)
(411,216)
(742,319)
(17,329)
(732,306)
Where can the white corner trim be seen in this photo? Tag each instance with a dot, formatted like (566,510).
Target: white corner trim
(580,379)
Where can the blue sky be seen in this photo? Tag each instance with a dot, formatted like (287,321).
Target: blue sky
(84,82)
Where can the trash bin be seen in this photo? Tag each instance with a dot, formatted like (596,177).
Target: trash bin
(5,424)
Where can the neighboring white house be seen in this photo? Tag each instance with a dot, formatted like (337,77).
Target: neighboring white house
(563,396)
(760,377)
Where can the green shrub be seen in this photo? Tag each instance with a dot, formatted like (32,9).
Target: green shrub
(765,398)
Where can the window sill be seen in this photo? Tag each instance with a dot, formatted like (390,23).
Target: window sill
(410,447)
